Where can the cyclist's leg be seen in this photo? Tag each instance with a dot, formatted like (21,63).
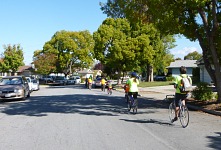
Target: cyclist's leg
(176,102)
(102,87)
(129,104)
(135,94)
(178,97)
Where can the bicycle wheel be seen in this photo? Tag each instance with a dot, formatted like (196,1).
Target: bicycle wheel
(184,116)
(126,98)
(135,106)
(171,111)
(129,105)
(110,92)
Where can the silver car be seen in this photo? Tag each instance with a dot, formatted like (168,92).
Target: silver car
(14,87)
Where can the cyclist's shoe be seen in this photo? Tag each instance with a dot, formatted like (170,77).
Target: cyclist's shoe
(174,119)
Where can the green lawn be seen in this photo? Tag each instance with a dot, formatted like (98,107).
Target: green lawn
(155,83)
(149,84)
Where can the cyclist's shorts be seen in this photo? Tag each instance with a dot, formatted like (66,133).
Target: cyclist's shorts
(134,94)
(179,96)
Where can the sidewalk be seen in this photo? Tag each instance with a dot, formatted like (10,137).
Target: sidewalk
(160,92)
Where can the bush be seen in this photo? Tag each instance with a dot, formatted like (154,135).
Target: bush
(202,92)
(170,78)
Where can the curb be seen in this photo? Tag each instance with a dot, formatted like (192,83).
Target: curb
(204,110)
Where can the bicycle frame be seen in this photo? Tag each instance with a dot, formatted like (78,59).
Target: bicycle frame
(183,113)
(132,103)
(109,90)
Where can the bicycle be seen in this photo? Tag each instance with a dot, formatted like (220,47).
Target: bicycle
(126,97)
(132,104)
(183,114)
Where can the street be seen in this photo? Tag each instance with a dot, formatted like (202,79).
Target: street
(75,118)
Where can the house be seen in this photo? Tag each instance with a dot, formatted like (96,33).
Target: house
(174,68)
(25,70)
(85,73)
(204,75)
(22,70)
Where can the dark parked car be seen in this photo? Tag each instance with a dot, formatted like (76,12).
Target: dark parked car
(160,78)
(59,80)
(14,87)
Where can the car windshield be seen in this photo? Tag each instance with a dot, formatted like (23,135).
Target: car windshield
(10,81)
(28,79)
(98,79)
(34,81)
(59,78)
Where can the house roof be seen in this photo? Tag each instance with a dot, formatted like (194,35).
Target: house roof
(23,68)
(200,61)
(86,71)
(186,63)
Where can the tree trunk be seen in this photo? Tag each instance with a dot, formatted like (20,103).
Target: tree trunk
(149,73)
(211,62)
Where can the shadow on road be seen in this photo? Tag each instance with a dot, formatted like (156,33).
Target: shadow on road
(149,121)
(215,141)
(77,103)
(86,104)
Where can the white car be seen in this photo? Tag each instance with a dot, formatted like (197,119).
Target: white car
(77,80)
(30,84)
(35,84)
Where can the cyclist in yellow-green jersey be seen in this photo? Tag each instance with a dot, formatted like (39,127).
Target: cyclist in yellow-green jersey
(133,83)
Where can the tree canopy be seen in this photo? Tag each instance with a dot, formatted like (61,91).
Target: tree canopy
(45,63)
(71,50)
(195,19)
(193,56)
(132,46)
(12,58)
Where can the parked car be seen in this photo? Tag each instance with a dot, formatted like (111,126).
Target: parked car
(160,78)
(30,84)
(71,80)
(46,79)
(35,84)
(14,87)
(77,79)
(59,80)
(97,82)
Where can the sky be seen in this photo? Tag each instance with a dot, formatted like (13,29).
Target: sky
(31,23)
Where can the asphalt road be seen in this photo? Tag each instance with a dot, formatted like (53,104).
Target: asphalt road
(75,118)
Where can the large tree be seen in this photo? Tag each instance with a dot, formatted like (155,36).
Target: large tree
(45,63)
(12,58)
(195,19)
(111,45)
(71,49)
(126,47)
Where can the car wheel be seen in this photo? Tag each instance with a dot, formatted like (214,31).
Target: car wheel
(24,95)
(28,94)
